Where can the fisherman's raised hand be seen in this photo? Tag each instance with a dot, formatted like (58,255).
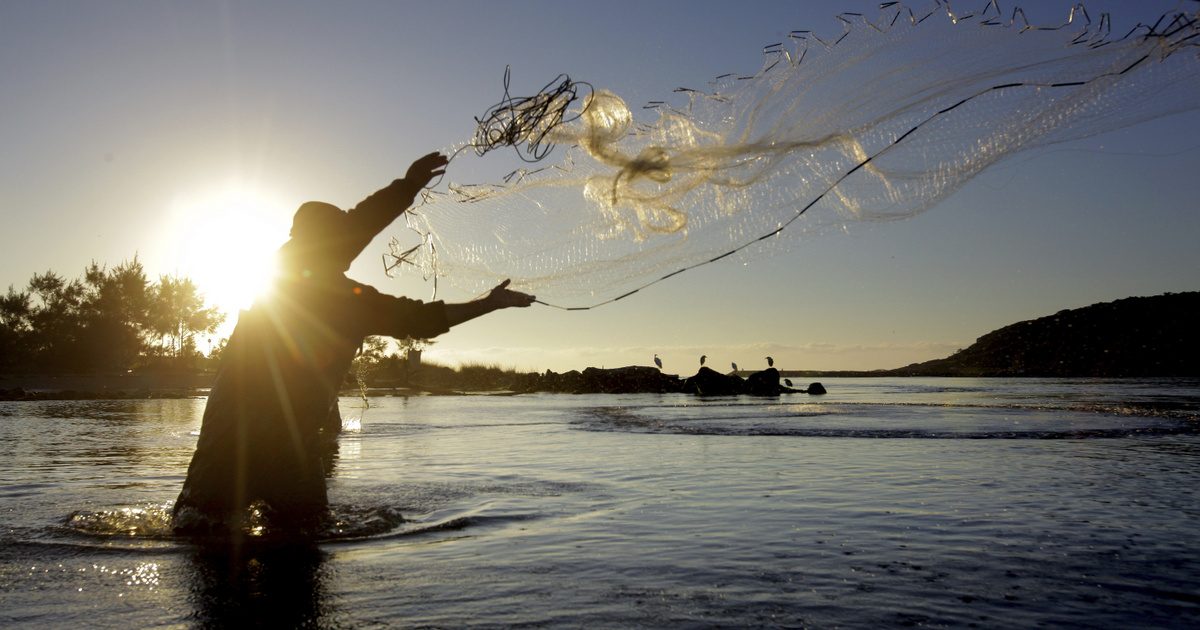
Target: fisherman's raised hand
(425,169)
(503,297)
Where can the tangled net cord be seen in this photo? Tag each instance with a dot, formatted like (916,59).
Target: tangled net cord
(526,121)
(521,122)
(527,125)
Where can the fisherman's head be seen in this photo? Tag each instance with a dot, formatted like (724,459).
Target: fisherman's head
(320,235)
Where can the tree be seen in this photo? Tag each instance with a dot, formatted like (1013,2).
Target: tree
(55,319)
(116,316)
(15,312)
(213,360)
(178,314)
(105,320)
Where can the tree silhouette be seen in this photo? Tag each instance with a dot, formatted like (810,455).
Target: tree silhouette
(16,310)
(109,320)
(57,318)
(178,314)
(116,315)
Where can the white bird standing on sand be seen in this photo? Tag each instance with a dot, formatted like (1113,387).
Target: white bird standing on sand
(658,361)
(770,362)
(702,358)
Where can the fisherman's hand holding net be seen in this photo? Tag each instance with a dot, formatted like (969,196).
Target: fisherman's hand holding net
(503,297)
(499,297)
(425,169)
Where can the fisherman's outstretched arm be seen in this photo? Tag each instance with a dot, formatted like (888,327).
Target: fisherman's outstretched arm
(498,298)
(378,211)
(401,317)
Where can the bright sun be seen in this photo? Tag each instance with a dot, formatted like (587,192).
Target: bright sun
(226,241)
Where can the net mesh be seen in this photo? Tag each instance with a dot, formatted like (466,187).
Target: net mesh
(877,124)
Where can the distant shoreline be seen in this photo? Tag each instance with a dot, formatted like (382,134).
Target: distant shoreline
(177,386)
(104,386)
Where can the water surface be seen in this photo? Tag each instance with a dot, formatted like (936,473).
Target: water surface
(935,502)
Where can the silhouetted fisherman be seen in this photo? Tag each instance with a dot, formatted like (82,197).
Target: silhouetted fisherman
(271,416)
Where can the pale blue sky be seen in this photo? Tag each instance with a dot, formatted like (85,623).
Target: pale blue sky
(121,121)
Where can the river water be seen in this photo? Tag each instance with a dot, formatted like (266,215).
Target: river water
(896,502)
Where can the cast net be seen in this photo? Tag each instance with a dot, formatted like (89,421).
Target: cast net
(599,201)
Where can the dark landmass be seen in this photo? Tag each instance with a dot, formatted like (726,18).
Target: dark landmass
(1132,337)
(18,393)
(834,373)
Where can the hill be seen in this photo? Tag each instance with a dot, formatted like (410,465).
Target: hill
(1137,336)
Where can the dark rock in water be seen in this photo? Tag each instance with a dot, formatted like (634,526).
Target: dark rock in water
(764,383)
(565,383)
(629,380)
(708,382)
(637,379)
(634,379)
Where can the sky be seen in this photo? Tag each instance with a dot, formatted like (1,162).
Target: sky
(156,128)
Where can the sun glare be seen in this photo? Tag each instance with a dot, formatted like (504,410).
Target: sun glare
(226,242)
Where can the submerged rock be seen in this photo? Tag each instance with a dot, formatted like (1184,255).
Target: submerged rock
(815,389)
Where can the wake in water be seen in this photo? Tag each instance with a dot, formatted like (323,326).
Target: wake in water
(877,124)
(900,420)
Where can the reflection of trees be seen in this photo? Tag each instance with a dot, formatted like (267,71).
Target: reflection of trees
(110,319)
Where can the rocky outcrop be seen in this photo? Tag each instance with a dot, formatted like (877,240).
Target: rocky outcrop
(636,379)
(765,383)
(708,382)
(633,379)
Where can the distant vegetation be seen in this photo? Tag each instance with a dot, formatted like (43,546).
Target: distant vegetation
(470,378)
(108,320)
(1137,336)
(117,320)
(375,368)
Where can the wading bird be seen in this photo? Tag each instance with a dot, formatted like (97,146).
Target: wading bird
(658,361)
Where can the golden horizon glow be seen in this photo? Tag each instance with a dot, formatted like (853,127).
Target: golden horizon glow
(225,241)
